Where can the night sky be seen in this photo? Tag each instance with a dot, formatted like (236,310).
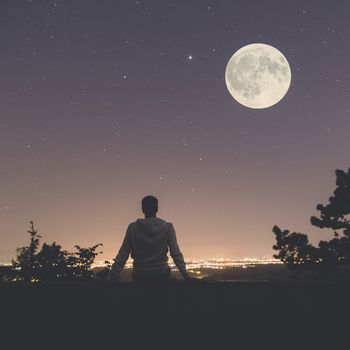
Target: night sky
(104,102)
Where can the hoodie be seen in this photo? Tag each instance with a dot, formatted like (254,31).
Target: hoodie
(148,241)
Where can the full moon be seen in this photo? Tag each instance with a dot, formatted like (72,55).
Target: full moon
(258,76)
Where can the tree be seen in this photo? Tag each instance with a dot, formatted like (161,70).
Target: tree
(26,261)
(336,214)
(295,250)
(331,258)
(83,259)
(6,274)
(51,262)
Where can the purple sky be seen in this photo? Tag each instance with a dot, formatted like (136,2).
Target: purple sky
(101,105)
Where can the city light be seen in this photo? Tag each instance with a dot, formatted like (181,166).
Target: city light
(212,263)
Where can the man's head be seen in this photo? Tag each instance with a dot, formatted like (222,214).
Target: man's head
(149,206)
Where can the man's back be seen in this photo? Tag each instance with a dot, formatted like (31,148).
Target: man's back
(149,246)
(148,241)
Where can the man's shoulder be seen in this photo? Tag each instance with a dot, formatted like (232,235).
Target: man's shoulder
(167,223)
(141,222)
(138,220)
(131,224)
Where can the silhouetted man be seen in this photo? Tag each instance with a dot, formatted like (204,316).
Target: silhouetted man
(148,240)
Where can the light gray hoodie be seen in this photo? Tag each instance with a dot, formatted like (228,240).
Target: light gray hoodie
(148,241)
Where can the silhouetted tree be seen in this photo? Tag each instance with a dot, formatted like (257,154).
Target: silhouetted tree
(83,260)
(336,214)
(295,250)
(331,258)
(51,262)
(6,274)
(26,261)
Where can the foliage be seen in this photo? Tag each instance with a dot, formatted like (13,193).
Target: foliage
(294,249)
(331,258)
(83,259)
(51,262)
(336,214)
(7,274)
(26,256)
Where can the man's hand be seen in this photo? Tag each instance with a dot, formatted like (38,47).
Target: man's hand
(112,277)
(191,279)
(101,275)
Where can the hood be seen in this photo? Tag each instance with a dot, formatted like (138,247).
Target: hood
(151,225)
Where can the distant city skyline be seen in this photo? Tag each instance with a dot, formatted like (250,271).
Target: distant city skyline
(105,102)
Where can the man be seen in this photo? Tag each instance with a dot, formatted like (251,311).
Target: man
(148,240)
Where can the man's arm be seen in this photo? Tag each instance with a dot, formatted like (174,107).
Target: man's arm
(121,258)
(176,254)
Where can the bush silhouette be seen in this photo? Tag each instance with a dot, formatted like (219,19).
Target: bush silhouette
(331,258)
(50,263)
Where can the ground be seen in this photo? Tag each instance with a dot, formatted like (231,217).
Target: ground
(305,314)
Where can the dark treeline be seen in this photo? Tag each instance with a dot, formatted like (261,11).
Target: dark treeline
(330,259)
(49,262)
